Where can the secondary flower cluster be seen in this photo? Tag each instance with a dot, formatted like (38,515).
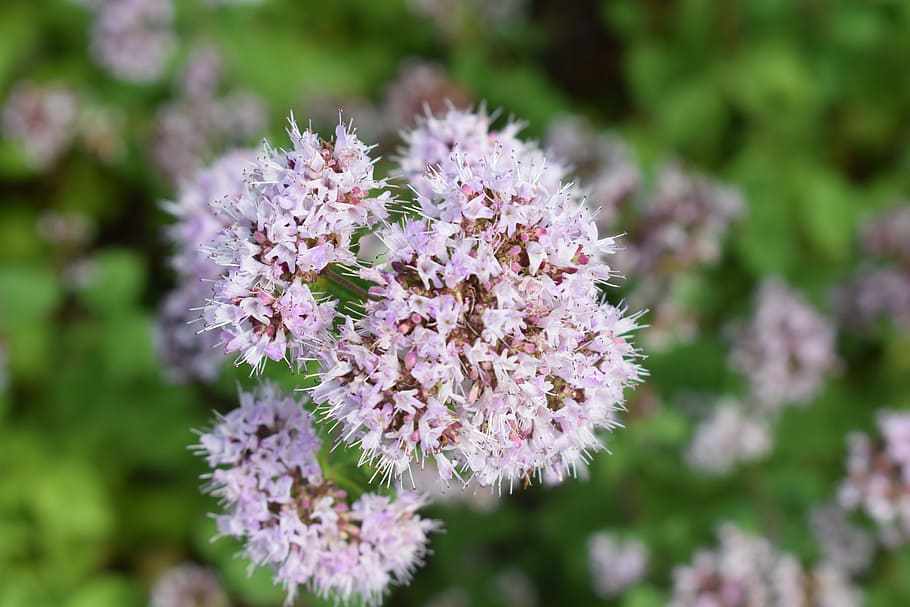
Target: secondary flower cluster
(747,571)
(420,87)
(603,164)
(674,227)
(881,290)
(295,520)
(730,436)
(203,118)
(187,352)
(297,215)
(682,224)
(786,350)
(888,235)
(878,477)
(45,119)
(843,544)
(133,39)
(188,585)
(485,344)
(615,563)
(42,118)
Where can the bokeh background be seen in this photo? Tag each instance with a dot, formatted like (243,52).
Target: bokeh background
(800,109)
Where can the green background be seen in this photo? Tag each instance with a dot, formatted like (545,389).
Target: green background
(803,105)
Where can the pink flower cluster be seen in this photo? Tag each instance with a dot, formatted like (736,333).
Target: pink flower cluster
(42,118)
(188,585)
(682,224)
(486,345)
(880,290)
(732,435)
(748,571)
(294,519)
(786,350)
(615,563)
(878,477)
(603,164)
(133,39)
(187,351)
(203,119)
(297,216)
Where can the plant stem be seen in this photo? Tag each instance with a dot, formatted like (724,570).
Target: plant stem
(349,285)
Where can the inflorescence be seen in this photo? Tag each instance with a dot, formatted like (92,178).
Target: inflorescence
(294,519)
(485,344)
(478,346)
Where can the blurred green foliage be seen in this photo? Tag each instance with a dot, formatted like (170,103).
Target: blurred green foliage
(805,106)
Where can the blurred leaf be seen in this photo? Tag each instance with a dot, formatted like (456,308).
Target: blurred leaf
(116,281)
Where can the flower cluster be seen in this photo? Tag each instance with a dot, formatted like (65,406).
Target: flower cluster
(673,228)
(603,164)
(615,563)
(888,235)
(484,350)
(747,571)
(682,224)
(730,436)
(452,16)
(42,119)
(430,145)
(133,39)
(69,230)
(418,88)
(294,519)
(188,585)
(881,290)
(844,545)
(786,350)
(202,121)
(875,294)
(297,216)
(485,344)
(878,477)
(188,352)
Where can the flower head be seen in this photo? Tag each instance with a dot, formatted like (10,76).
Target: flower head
(486,346)
(463,137)
(420,86)
(294,519)
(42,119)
(878,477)
(842,544)
(787,348)
(682,225)
(188,352)
(297,216)
(202,121)
(134,39)
(615,563)
(188,585)
(602,163)
(730,436)
(888,235)
(874,295)
(746,570)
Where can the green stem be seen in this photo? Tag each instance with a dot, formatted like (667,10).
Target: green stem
(349,285)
